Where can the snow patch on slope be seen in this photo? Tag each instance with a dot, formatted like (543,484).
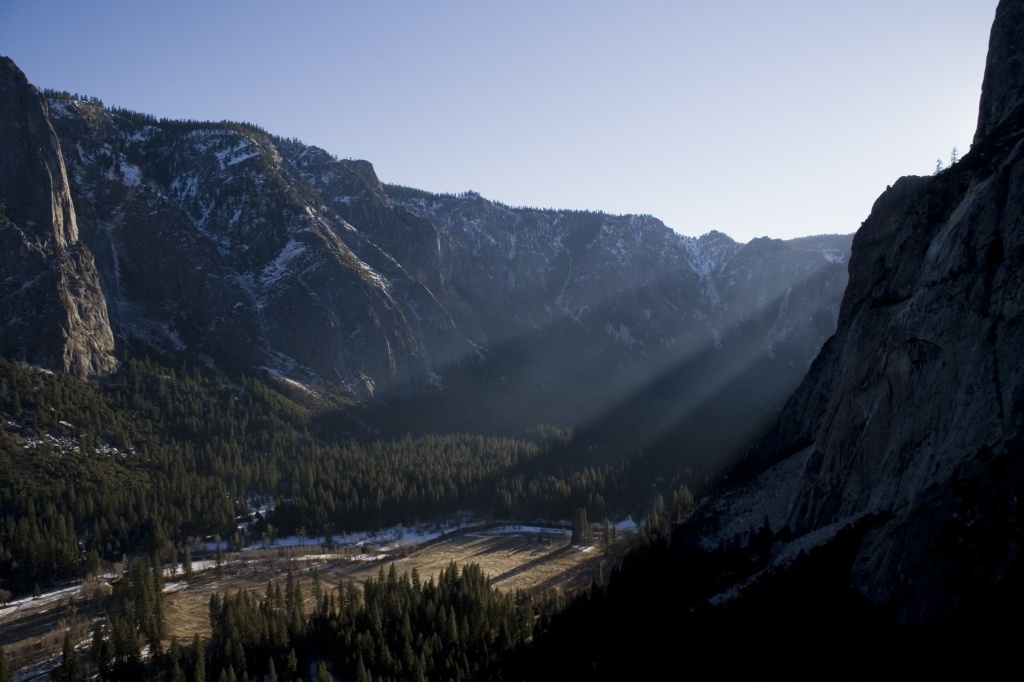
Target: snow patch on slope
(621,335)
(237,154)
(835,256)
(280,266)
(131,175)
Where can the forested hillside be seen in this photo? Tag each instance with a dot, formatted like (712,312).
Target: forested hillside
(157,456)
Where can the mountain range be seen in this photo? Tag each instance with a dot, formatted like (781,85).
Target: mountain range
(253,254)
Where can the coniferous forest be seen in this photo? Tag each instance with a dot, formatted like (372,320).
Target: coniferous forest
(134,471)
(157,457)
(392,627)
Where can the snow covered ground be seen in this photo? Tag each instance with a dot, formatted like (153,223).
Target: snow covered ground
(372,546)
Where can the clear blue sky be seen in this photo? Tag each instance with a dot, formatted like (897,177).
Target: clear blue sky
(779,118)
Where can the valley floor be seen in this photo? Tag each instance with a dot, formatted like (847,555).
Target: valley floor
(516,557)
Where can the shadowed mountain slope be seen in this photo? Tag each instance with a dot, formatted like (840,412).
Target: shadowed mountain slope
(222,244)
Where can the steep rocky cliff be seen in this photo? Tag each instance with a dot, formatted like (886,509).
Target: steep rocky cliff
(52,310)
(913,412)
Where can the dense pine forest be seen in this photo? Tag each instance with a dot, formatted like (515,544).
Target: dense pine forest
(137,472)
(392,628)
(157,459)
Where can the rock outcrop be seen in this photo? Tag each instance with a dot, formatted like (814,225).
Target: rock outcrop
(1002,91)
(52,310)
(914,410)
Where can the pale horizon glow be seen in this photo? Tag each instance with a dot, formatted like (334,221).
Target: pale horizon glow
(779,119)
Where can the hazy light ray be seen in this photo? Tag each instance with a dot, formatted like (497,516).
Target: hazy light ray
(690,403)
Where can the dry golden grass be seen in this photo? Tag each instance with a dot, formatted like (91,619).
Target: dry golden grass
(514,561)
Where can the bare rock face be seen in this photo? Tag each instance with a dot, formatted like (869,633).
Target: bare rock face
(1003,89)
(914,410)
(52,309)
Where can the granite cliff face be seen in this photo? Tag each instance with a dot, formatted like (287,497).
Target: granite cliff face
(914,410)
(52,309)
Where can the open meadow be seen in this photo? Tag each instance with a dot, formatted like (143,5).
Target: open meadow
(538,560)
